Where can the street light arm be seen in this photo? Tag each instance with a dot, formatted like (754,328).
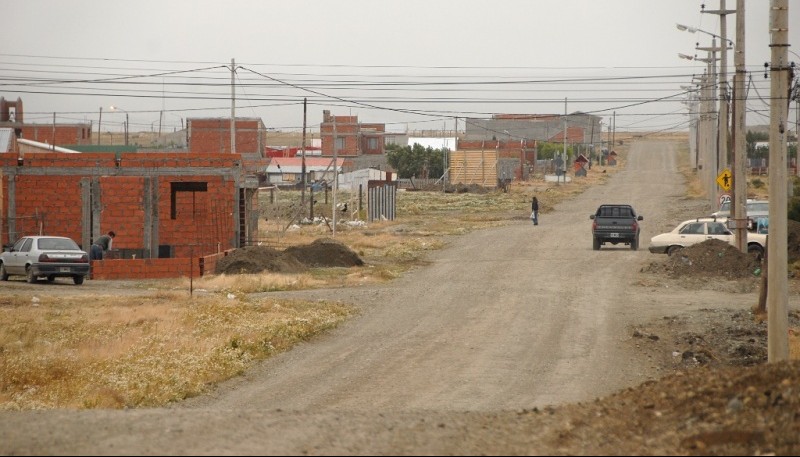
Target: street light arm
(686,28)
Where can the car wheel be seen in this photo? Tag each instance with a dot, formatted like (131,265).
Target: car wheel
(756,251)
(30,276)
(596,243)
(673,249)
(78,279)
(51,278)
(3,273)
(635,244)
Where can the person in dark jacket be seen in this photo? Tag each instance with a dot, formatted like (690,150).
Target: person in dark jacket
(535,211)
(101,245)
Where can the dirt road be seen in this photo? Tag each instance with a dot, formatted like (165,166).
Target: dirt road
(449,359)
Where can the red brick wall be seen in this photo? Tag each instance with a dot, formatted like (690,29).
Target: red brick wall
(505,149)
(214,136)
(375,132)
(52,203)
(65,134)
(123,211)
(156,268)
(203,221)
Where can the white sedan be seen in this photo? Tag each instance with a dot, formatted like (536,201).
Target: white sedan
(696,231)
(45,256)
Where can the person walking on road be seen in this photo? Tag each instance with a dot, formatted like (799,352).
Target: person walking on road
(535,211)
(101,245)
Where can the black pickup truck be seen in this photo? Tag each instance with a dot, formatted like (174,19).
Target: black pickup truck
(615,224)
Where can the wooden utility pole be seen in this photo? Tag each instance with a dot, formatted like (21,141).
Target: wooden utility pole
(303,155)
(739,185)
(722,148)
(335,178)
(777,255)
(713,117)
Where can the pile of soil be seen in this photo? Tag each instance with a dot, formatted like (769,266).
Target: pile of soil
(711,258)
(323,252)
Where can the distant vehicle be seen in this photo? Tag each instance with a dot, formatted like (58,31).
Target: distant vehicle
(695,231)
(755,209)
(45,256)
(615,224)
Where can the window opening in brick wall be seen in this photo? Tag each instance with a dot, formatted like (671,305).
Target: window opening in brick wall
(179,190)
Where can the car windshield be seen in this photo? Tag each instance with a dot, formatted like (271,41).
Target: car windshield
(57,244)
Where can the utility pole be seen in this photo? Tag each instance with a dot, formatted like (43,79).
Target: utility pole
(777,256)
(233,106)
(303,155)
(722,161)
(335,178)
(614,135)
(713,140)
(739,185)
(566,128)
(99,123)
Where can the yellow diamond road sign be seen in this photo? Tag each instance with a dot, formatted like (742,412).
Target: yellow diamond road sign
(725,179)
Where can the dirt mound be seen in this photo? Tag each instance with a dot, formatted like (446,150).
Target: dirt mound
(325,252)
(711,258)
(295,259)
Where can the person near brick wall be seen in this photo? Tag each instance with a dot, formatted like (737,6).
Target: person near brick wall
(101,245)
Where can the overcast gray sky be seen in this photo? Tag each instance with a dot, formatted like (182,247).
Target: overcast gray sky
(410,64)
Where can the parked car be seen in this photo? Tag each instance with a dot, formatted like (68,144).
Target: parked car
(695,231)
(45,256)
(755,209)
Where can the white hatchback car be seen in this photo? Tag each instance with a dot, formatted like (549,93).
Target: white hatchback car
(696,231)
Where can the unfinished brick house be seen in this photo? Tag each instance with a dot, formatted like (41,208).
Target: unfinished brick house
(352,138)
(173,213)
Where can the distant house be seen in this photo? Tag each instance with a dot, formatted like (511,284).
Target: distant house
(286,171)
(351,137)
